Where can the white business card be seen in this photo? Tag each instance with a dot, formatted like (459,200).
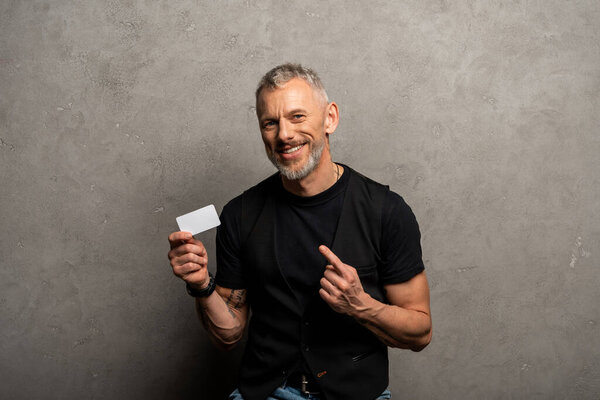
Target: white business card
(200,220)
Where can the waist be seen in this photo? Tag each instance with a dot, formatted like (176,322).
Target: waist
(303,382)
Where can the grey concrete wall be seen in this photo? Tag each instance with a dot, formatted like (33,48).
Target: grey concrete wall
(117,116)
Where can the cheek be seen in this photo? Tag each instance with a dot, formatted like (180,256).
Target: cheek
(270,143)
(317,128)
(265,138)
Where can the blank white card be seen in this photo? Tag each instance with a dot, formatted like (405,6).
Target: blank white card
(200,220)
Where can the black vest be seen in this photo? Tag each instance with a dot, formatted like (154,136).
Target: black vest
(345,358)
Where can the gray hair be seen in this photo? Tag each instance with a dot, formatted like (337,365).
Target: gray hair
(281,74)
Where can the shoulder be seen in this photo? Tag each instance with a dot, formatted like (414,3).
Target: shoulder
(240,213)
(255,193)
(261,189)
(252,200)
(396,208)
(393,208)
(355,175)
(392,199)
(369,187)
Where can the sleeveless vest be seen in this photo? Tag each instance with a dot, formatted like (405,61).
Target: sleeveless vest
(345,358)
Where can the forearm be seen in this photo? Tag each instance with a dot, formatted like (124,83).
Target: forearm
(224,324)
(395,326)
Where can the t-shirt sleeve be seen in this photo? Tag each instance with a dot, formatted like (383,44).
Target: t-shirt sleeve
(229,266)
(401,242)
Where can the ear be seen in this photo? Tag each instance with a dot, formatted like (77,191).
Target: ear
(332,118)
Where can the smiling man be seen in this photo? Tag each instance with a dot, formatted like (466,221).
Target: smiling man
(328,261)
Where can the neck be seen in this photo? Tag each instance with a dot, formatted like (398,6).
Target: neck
(324,176)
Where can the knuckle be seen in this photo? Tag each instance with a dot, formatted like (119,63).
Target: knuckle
(191,266)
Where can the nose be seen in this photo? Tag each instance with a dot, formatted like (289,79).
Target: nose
(285,132)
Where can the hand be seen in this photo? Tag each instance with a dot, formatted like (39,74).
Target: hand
(189,259)
(340,286)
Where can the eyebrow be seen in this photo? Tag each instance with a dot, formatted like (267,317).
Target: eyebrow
(297,111)
(291,112)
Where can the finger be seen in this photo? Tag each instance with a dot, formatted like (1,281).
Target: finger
(326,296)
(334,277)
(195,241)
(331,258)
(329,287)
(188,248)
(187,269)
(177,238)
(190,258)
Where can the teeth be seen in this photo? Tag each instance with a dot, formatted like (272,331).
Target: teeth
(293,149)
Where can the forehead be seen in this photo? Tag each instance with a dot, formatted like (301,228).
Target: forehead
(296,93)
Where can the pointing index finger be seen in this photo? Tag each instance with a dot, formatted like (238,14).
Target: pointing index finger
(331,257)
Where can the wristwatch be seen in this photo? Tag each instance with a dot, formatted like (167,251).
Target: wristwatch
(207,291)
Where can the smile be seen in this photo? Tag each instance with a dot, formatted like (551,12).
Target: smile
(293,149)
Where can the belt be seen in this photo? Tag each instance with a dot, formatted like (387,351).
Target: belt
(304,382)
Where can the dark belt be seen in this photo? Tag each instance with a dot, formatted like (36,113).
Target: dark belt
(303,382)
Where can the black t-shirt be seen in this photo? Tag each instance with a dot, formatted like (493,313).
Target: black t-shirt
(304,223)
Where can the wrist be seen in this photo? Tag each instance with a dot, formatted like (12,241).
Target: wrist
(365,309)
(199,286)
(202,290)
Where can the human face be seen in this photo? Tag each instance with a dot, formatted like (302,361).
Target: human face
(293,126)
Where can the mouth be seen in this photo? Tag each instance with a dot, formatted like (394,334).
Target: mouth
(292,149)
(290,154)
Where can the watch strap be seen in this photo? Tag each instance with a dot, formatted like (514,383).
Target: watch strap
(207,291)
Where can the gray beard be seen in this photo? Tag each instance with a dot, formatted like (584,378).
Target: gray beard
(313,160)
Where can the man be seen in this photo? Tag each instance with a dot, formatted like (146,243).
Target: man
(328,261)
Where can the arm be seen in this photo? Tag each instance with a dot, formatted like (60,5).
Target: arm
(225,312)
(224,315)
(404,323)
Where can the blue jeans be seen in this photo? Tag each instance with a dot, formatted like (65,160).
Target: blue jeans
(289,393)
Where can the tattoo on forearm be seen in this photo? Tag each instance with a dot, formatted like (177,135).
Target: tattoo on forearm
(236,299)
(223,329)
(231,313)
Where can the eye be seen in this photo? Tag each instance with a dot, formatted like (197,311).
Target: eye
(268,124)
(298,116)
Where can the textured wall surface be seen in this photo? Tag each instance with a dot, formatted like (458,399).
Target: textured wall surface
(117,116)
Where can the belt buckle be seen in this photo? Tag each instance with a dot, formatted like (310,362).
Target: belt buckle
(304,386)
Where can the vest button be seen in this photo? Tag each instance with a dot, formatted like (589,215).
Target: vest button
(284,372)
(306,348)
(306,323)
